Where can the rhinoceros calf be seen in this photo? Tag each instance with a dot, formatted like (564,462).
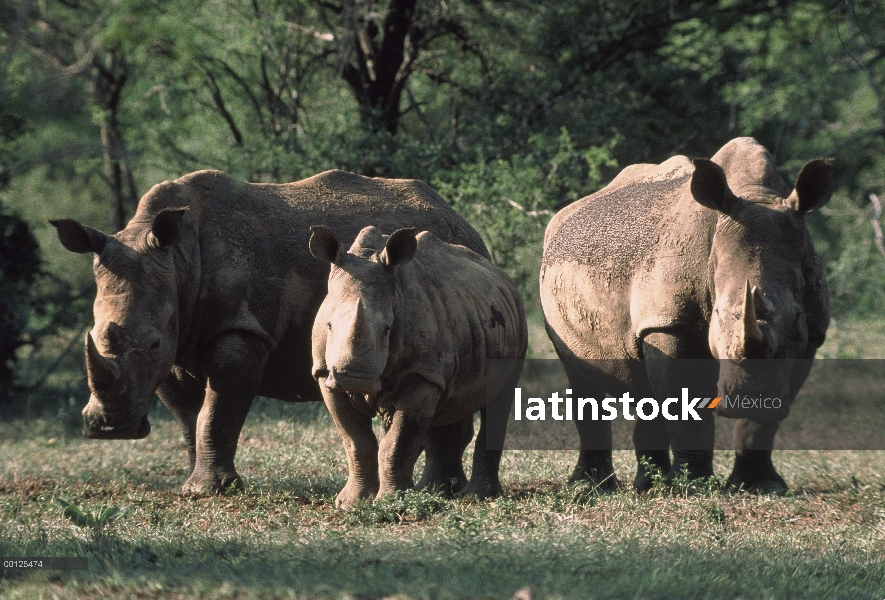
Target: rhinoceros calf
(687,259)
(405,332)
(208,297)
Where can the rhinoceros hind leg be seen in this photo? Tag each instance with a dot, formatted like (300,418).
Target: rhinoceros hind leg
(658,461)
(183,395)
(444,449)
(484,481)
(596,467)
(668,374)
(595,457)
(652,454)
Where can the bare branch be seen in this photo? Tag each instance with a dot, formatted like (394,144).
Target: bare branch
(877,223)
(221,107)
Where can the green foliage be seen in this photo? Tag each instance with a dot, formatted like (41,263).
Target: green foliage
(510,109)
(96,521)
(509,201)
(401,507)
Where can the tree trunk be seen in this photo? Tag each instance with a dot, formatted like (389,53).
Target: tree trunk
(107,84)
(380,67)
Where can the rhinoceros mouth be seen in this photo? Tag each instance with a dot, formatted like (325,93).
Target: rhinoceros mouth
(353,381)
(135,430)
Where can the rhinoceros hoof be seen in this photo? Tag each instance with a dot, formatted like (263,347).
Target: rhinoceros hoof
(605,481)
(448,486)
(642,482)
(219,482)
(767,483)
(481,490)
(351,495)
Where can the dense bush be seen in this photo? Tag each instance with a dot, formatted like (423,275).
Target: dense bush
(19,268)
(510,109)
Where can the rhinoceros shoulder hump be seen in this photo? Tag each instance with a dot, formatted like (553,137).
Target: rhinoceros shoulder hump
(748,165)
(620,222)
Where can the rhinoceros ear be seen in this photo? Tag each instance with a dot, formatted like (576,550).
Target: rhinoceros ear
(709,187)
(400,248)
(814,186)
(79,238)
(325,246)
(166,228)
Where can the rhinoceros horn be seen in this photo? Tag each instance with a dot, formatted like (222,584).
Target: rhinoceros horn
(763,305)
(360,323)
(752,333)
(104,372)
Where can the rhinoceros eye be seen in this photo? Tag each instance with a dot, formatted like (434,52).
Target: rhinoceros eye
(155,345)
(386,330)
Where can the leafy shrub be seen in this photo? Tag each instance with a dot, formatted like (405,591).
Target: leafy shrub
(19,267)
(510,201)
(401,507)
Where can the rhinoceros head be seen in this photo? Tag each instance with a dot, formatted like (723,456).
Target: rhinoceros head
(758,266)
(352,331)
(132,346)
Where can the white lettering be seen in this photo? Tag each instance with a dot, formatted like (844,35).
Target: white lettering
(555,401)
(536,412)
(611,411)
(595,412)
(626,400)
(688,407)
(666,412)
(641,413)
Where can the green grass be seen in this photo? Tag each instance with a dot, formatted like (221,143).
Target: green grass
(283,537)
(854,339)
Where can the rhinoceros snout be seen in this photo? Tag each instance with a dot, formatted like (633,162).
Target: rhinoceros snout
(137,431)
(98,425)
(353,381)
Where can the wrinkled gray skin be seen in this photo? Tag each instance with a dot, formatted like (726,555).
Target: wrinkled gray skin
(208,297)
(405,333)
(687,259)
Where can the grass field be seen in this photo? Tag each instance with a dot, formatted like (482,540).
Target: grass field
(283,537)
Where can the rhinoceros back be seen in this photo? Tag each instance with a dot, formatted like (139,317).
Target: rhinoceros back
(612,261)
(252,269)
(621,223)
(459,311)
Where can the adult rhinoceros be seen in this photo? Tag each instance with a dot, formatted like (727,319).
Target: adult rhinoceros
(697,259)
(208,297)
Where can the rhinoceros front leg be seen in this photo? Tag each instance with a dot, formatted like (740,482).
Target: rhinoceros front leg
(401,445)
(753,442)
(183,395)
(753,470)
(360,445)
(691,440)
(233,367)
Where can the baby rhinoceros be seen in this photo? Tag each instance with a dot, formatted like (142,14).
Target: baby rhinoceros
(405,333)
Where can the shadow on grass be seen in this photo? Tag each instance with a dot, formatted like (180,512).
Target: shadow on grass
(446,562)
